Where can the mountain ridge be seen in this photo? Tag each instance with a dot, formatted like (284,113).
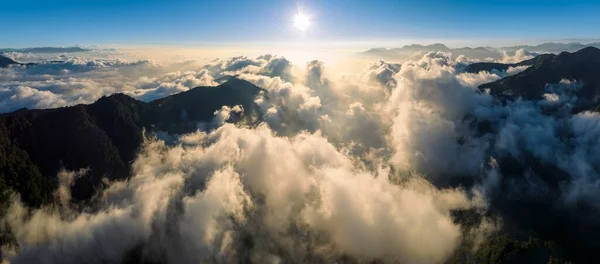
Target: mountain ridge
(103,136)
(477,53)
(5,62)
(490,66)
(581,66)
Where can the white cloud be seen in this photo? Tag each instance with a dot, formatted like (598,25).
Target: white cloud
(365,164)
(288,194)
(518,56)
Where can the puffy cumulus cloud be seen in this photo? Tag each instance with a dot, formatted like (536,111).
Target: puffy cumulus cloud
(222,116)
(518,56)
(23,96)
(26,56)
(82,65)
(277,67)
(369,166)
(163,89)
(315,74)
(476,79)
(382,73)
(318,82)
(148,89)
(438,114)
(66,180)
(445,128)
(242,62)
(76,80)
(265,65)
(51,93)
(236,194)
(289,108)
(338,109)
(430,103)
(514,70)
(315,102)
(561,96)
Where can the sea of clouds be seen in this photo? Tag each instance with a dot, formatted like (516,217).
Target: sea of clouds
(365,166)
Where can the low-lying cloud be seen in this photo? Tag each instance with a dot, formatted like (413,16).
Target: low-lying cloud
(299,195)
(363,166)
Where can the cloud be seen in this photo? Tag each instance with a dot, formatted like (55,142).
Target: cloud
(22,96)
(297,195)
(277,67)
(447,130)
(383,73)
(430,101)
(518,56)
(84,80)
(367,165)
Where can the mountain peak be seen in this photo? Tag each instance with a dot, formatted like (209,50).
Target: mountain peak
(116,96)
(5,61)
(438,46)
(113,127)
(582,66)
(236,82)
(588,51)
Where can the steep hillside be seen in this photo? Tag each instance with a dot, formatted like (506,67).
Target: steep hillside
(582,66)
(104,136)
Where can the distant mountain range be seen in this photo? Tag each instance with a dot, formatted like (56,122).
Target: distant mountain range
(478,53)
(45,50)
(104,136)
(552,47)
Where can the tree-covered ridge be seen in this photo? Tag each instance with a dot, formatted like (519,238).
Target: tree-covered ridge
(4,61)
(582,66)
(19,173)
(104,136)
(490,66)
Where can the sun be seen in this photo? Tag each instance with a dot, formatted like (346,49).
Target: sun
(301,21)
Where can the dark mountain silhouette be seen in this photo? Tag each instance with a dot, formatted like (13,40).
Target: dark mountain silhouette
(582,66)
(573,228)
(490,66)
(104,136)
(4,61)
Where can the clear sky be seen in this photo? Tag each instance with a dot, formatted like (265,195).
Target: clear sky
(239,22)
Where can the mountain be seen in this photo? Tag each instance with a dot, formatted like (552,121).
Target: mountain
(582,66)
(46,50)
(104,136)
(490,66)
(418,47)
(4,61)
(479,53)
(553,47)
(179,113)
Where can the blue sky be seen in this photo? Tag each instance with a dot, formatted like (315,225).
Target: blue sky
(156,22)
